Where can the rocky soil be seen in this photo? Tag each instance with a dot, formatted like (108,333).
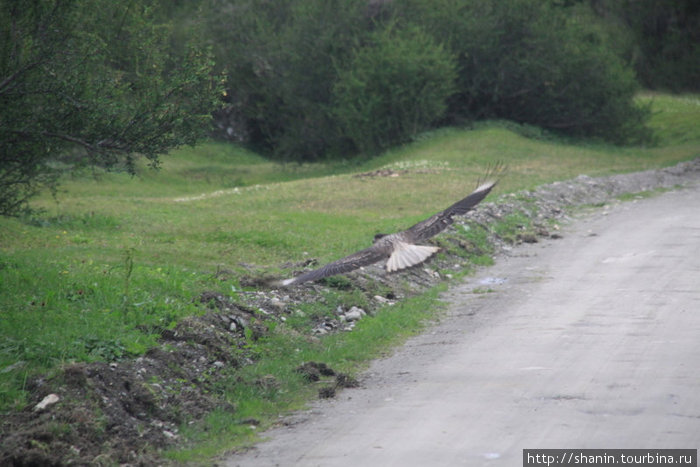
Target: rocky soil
(124,412)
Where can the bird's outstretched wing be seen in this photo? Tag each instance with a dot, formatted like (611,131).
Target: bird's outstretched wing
(440,221)
(355,261)
(402,251)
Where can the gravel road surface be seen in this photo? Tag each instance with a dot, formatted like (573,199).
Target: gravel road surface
(589,341)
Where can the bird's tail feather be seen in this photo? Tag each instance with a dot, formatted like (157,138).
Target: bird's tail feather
(494,173)
(406,255)
(285,282)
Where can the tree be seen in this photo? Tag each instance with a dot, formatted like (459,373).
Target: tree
(282,60)
(395,86)
(314,79)
(533,62)
(665,46)
(92,82)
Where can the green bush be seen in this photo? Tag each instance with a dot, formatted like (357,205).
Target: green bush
(533,62)
(393,87)
(665,49)
(311,79)
(92,82)
(282,60)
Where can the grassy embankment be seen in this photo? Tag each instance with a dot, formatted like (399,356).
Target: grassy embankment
(116,255)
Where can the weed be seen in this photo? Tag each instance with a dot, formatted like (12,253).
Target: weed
(338,282)
(514,228)
(643,194)
(128,269)
(482,290)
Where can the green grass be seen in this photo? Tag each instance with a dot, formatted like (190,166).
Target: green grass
(643,194)
(282,353)
(674,119)
(115,257)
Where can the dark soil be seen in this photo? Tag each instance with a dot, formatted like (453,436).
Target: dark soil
(127,412)
(124,412)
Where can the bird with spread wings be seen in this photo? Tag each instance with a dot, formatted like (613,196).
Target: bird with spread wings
(402,250)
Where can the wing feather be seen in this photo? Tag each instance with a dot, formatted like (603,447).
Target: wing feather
(440,221)
(406,255)
(349,263)
(410,254)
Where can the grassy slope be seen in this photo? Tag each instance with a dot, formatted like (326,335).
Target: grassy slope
(118,252)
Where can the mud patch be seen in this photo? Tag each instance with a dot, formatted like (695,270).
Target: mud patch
(313,371)
(320,373)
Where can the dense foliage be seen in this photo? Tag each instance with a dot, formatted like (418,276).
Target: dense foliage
(394,86)
(535,63)
(659,38)
(314,79)
(91,82)
(281,60)
(98,82)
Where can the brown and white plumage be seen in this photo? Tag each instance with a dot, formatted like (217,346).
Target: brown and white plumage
(401,250)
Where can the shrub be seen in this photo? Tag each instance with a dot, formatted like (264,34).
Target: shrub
(312,79)
(281,58)
(393,87)
(92,81)
(664,43)
(533,62)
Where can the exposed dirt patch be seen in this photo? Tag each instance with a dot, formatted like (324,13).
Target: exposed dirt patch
(391,172)
(318,372)
(313,371)
(380,173)
(125,412)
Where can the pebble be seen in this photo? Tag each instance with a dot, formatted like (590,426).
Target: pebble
(169,434)
(355,314)
(278,304)
(46,401)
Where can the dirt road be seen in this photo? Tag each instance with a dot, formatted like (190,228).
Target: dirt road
(590,341)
